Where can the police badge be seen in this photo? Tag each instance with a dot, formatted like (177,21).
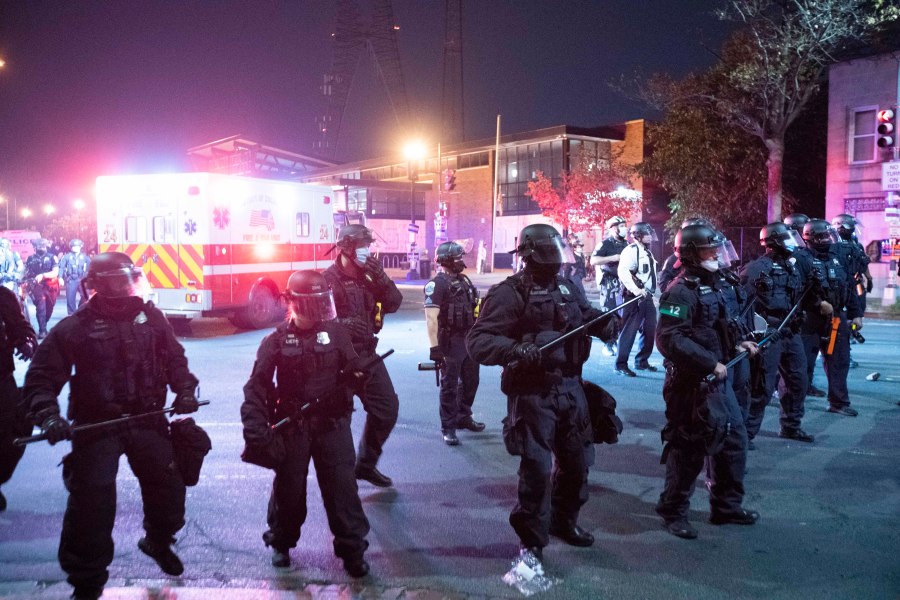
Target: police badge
(322,338)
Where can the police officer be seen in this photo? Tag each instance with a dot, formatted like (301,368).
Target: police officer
(808,335)
(836,276)
(10,266)
(41,271)
(547,413)
(777,283)
(124,354)
(73,266)
(301,364)
(577,270)
(363,294)
(16,339)
(450,304)
(637,272)
(605,261)
(848,228)
(701,419)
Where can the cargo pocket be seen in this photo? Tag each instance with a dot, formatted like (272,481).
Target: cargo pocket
(513,436)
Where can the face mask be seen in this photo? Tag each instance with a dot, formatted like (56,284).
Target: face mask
(711,264)
(40,251)
(361,255)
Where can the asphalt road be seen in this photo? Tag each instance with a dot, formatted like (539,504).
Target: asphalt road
(830,525)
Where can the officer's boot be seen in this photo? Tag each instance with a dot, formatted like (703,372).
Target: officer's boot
(450,437)
(162,553)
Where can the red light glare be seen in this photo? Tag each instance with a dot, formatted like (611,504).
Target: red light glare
(193,191)
(885,115)
(326,199)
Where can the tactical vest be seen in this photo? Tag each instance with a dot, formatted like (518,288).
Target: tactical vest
(553,310)
(35,265)
(780,287)
(120,366)
(714,317)
(75,266)
(834,278)
(457,312)
(307,368)
(352,299)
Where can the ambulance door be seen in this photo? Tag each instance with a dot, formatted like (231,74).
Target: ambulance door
(218,277)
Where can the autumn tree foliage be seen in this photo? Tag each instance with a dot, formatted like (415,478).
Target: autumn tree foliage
(588,194)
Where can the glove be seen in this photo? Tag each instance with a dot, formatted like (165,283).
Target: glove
(607,329)
(354,376)
(869,285)
(437,355)
(56,428)
(374,272)
(357,327)
(185,402)
(25,349)
(527,353)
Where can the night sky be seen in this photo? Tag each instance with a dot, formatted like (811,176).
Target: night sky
(127,86)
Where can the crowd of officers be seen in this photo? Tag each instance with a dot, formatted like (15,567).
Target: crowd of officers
(119,356)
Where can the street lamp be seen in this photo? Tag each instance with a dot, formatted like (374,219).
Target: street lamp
(413,152)
(26,212)
(49,209)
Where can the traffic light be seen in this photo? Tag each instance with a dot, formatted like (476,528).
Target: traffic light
(449,180)
(887,128)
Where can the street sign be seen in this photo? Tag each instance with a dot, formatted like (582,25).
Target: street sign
(894,231)
(413,228)
(890,175)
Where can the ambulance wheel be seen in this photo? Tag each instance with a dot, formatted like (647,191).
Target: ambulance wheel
(259,312)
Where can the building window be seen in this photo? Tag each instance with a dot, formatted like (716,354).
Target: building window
(862,134)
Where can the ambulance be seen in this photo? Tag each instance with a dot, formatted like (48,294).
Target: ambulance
(217,245)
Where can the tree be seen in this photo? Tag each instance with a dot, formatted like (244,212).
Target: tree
(772,66)
(588,195)
(708,169)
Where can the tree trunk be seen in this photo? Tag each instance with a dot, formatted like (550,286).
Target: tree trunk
(775,165)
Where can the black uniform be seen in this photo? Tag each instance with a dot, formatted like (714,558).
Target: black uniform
(547,413)
(15,330)
(295,367)
(355,298)
(123,359)
(456,298)
(777,283)
(577,270)
(44,292)
(72,269)
(609,285)
(696,331)
(857,263)
(839,289)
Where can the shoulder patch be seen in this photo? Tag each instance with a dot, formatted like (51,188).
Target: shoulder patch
(429,288)
(672,309)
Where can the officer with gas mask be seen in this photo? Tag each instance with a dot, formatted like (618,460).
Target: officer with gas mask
(73,266)
(302,364)
(363,294)
(848,230)
(547,413)
(671,267)
(777,282)
(835,273)
(118,355)
(703,418)
(450,304)
(41,272)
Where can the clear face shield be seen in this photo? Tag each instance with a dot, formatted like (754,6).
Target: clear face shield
(645,237)
(122,283)
(793,240)
(551,251)
(314,307)
(726,255)
(847,229)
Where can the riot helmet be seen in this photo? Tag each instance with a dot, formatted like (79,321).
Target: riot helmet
(309,296)
(796,221)
(542,244)
(616,226)
(695,221)
(779,238)
(702,246)
(819,234)
(450,256)
(845,225)
(113,275)
(41,246)
(75,242)
(4,243)
(640,231)
(353,241)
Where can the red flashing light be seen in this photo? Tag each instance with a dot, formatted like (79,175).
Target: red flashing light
(326,199)
(193,191)
(887,124)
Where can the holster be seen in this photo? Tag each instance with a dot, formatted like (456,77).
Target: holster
(191,445)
